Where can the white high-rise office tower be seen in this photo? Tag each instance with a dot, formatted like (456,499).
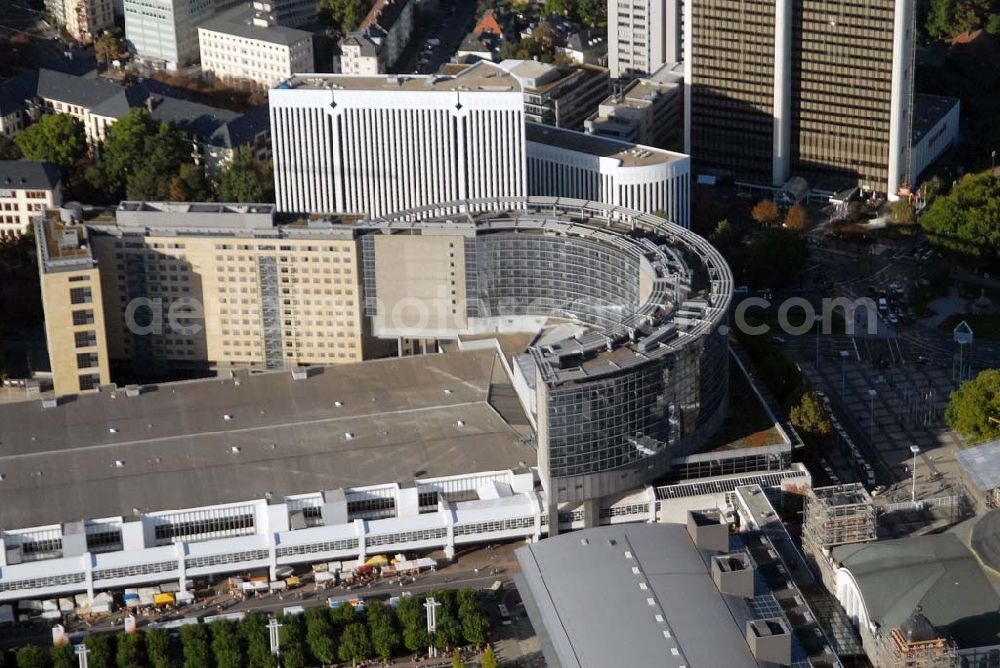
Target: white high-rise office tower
(643,36)
(164,33)
(374,145)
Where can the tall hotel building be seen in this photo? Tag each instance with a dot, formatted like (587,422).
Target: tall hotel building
(163,288)
(780,88)
(375,145)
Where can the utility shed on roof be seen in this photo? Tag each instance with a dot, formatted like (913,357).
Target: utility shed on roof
(980,467)
(630,595)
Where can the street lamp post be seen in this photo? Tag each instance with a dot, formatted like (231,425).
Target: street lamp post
(272,633)
(872,394)
(913,495)
(843,371)
(431,605)
(81,654)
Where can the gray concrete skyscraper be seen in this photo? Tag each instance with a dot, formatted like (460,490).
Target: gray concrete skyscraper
(780,88)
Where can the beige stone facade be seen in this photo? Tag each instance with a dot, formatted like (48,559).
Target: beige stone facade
(74,308)
(183,300)
(318,320)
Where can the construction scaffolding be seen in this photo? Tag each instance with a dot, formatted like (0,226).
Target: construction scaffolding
(838,515)
(935,653)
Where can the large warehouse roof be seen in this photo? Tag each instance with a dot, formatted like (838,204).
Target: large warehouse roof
(585,587)
(215,441)
(938,574)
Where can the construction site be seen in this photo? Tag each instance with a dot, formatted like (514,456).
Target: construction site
(837,515)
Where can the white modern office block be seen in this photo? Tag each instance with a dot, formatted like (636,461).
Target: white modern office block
(244,43)
(563,163)
(643,36)
(374,145)
(164,33)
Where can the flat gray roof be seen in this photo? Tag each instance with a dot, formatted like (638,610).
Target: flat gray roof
(595,613)
(632,155)
(480,77)
(982,465)
(176,445)
(238,21)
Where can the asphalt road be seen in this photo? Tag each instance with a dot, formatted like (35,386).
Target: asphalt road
(450,26)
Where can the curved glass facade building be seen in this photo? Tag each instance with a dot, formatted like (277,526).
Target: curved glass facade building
(631,368)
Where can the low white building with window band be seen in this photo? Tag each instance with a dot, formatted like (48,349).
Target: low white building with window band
(260,534)
(564,163)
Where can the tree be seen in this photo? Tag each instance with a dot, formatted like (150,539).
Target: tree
(931,189)
(192,178)
(811,415)
(102,650)
(9,149)
(770,250)
(124,147)
(474,623)
(343,15)
(292,638)
(489,658)
(253,630)
(57,138)
(246,179)
(964,220)
(559,7)
(725,235)
(766,212)
(456,660)
(64,656)
(355,645)
(901,212)
(226,646)
(415,638)
(409,611)
(974,408)
(385,637)
(939,19)
(158,648)
(194,643)
(108,47)
(970,15)
(342,615)
(131,650)
(448,632)
(591,12)
(320,635)
(797,218)
(163,154)
(30,656)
